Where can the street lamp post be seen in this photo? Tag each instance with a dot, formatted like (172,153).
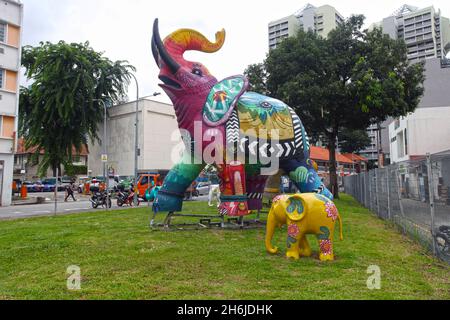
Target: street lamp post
(136,138)
(105,150)
(136,141)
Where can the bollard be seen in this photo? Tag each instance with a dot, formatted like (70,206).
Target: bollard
(23,192)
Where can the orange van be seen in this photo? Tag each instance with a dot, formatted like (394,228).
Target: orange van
(148,181)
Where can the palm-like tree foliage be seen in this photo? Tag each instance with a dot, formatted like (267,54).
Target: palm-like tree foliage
(61,109)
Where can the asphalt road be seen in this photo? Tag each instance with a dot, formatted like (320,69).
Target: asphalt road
(48,209)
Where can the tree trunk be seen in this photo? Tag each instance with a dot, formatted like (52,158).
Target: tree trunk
(56,170)
(334,188)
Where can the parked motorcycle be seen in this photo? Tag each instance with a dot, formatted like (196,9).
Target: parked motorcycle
(99,198)
(126,198)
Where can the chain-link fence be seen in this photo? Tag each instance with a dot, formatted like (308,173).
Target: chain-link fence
(414,195)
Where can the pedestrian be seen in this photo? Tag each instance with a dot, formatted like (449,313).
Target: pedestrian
(69,191)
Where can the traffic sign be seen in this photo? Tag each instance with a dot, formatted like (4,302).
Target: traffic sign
(104,158)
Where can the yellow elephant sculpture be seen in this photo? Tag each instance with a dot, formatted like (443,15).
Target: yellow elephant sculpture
(307,213)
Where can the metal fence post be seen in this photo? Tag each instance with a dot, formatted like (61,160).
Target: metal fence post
(370,191)
(431,197)
(399,193)
(377,192)
(388,192)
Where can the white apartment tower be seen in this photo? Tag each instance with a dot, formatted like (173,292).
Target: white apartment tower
(425,31)
(320,20)
(10,50)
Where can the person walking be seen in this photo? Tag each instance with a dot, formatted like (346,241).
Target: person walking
(69,191)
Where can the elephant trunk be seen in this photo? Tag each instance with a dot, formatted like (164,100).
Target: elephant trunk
(270,229)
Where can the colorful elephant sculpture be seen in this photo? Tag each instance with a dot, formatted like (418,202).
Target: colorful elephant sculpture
(304,214)
(236,123)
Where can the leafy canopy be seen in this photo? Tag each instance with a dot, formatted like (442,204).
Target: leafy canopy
(61,109)
(353,141)
(351,79)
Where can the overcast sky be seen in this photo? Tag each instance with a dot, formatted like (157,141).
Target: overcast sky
(122,29)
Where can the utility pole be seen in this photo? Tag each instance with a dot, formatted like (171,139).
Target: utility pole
(136,139)
(136,142)
(105,152)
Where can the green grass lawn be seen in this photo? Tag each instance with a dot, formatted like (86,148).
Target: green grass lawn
(120,258)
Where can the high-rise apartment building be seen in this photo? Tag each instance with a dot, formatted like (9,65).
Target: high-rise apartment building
(321,20)
(425,31)
(11,13)
(427,36)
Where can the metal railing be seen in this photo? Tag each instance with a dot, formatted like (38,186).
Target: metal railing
(414,195)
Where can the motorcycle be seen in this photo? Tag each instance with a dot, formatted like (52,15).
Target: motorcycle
(126,198)
(100,198)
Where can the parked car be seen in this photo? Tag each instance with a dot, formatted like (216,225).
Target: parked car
(38,186)
(49,184)
(66,181)
(203,188)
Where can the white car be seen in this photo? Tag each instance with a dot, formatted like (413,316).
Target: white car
(203,188)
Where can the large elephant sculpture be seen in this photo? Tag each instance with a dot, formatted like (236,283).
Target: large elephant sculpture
(232,122)
(304,214)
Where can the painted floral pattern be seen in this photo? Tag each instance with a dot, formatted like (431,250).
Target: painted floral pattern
(331,210)
(293,231)
(326,247)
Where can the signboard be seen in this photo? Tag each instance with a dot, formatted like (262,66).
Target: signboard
(402,169)
(104,158)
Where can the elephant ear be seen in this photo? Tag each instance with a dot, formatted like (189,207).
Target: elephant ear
(295,208)
(222,99)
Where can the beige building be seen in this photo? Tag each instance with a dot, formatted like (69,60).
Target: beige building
(321,20)
(26,169)
(425,31)
(11,14)
(159,139)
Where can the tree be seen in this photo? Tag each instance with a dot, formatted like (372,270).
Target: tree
(353,141)
(257,76)
(61,110)
(351,79)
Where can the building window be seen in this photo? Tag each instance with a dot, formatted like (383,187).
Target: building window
(2,77)
(400,145)
(406,143)
(2,32)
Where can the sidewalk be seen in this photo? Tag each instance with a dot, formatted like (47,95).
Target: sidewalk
(47,196)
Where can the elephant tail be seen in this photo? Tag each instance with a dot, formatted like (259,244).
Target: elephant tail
(341,232)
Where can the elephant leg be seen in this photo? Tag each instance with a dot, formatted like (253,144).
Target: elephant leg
(304,248)
(233,192)
(255,190)
(293,240)
(326,252)
(305,177)
(170,197)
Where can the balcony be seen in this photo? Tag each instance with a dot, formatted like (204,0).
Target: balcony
(445,63)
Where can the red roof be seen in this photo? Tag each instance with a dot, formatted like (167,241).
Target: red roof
(22,150)
(322,154)
(355,157)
